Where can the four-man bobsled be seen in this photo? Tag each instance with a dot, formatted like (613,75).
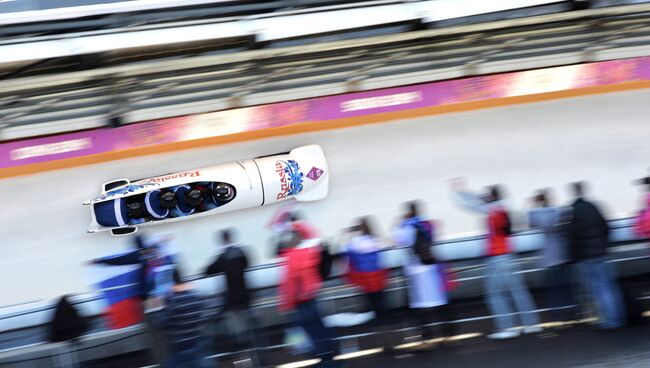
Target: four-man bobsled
(123,206)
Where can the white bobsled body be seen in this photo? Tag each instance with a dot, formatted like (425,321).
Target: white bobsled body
(302,174)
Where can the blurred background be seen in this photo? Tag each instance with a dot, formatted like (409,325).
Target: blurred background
(402,96)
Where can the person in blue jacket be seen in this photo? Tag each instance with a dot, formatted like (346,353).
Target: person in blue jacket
(143,255)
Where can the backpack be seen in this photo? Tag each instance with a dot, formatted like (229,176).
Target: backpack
(66,323)
(423,242)
(508,226)
(505,226)
(326,260)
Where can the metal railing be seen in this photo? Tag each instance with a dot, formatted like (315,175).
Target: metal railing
(80,299)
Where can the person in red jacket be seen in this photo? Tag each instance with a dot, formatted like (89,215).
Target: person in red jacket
(642,222)
(504,286)
(299,289)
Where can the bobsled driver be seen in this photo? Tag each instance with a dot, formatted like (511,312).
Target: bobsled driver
(222,193)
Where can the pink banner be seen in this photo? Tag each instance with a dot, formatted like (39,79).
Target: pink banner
(57,147)
(220,123)
(483,88)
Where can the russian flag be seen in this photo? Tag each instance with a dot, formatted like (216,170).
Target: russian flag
(364,264)
(119,287)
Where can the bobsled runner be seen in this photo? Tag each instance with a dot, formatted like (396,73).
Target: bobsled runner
(123,206)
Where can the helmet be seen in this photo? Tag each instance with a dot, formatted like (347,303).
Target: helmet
(135,206)
(223,192)
(194,197)
(168,199)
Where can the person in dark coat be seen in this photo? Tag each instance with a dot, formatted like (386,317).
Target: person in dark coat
(589,236)
(236,316)
(182,319)
(232,262)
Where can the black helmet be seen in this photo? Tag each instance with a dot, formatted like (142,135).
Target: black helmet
(168,199)
(223,192)
(135,206)
(194,197)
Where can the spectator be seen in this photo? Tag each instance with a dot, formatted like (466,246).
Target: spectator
(144,255)
(504,286)
(149,259)
(182,319)
(363,253)
(642,223)
(280,225)
(589,234)
(285,221)
(233,263)
(298,292)
(553,222)
(426,281)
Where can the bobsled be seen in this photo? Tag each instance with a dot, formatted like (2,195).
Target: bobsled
(124,206)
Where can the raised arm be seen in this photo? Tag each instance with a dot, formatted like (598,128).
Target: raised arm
(471,201)
(467,198)
(130,258)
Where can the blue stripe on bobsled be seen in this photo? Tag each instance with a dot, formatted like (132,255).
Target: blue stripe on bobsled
(181,206)
(152,201)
